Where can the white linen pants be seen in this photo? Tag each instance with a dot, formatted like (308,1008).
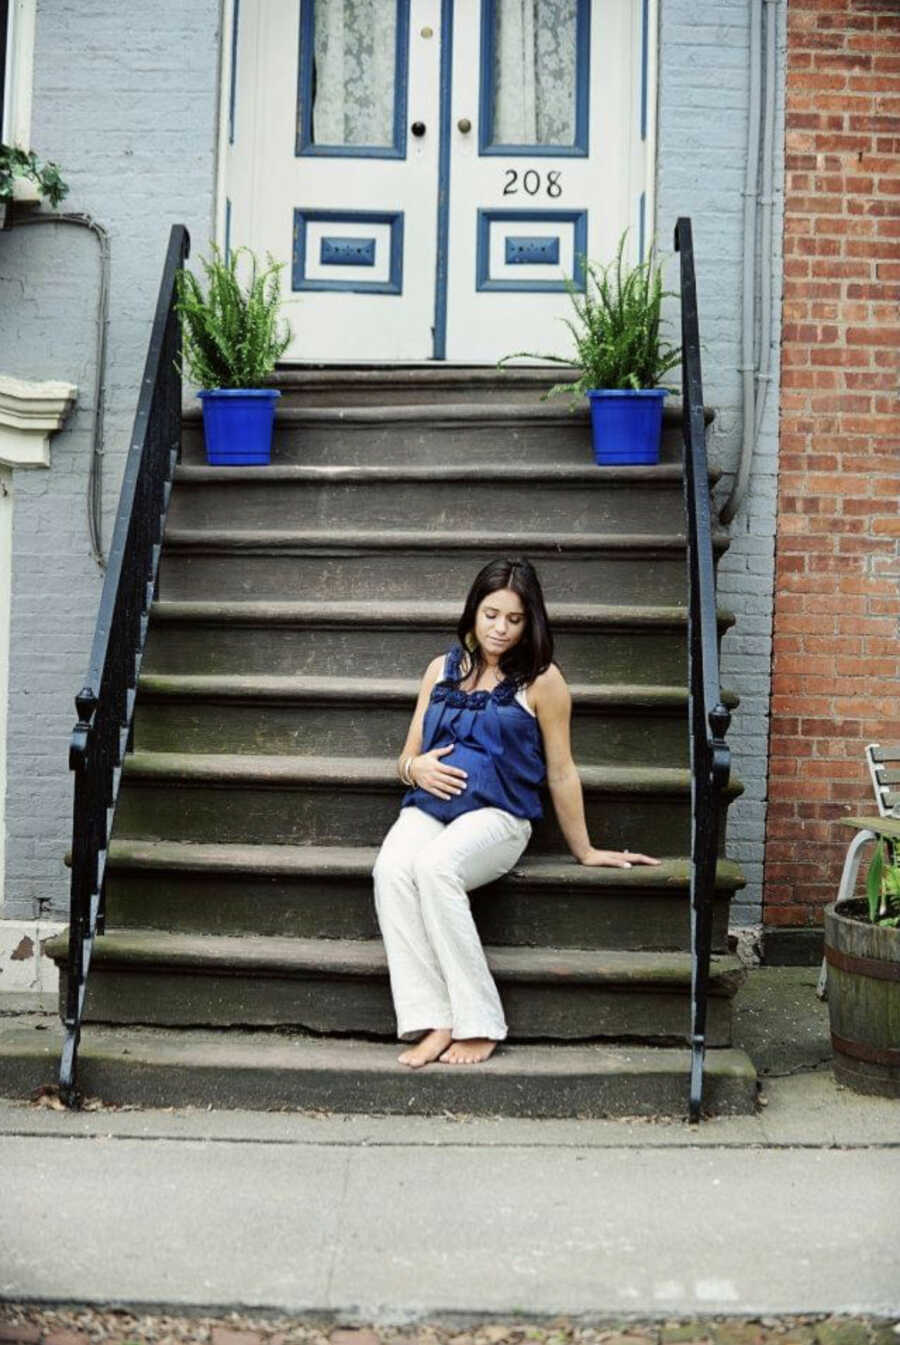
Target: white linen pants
(424,870)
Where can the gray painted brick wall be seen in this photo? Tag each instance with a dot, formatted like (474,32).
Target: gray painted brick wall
(704,80)
(125,100)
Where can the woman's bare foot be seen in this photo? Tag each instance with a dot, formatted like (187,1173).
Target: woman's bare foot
(468,1051)
(428,1049)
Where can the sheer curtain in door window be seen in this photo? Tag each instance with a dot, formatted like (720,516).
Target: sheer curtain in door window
(355,57)
(534,72)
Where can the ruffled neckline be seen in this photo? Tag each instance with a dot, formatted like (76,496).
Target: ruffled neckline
(504,693)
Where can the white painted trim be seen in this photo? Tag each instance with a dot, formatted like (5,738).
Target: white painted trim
(222,146)
(30,412)
(6,129)
(24,968)
(20,73)
(6,533)
(652,113)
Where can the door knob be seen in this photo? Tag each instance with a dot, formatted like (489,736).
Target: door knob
(418,128)
(464,125)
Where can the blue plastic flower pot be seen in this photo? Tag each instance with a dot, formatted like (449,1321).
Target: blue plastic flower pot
(237,425)
(626,426)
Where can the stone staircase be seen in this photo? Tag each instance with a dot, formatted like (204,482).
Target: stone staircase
(298,605)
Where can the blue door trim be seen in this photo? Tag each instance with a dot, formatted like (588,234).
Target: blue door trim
(531,251)
(394,282)
(486,143)
(439,331)
(303,142)
(347,251)
(578,220)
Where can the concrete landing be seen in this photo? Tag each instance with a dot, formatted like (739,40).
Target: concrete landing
(397,1219)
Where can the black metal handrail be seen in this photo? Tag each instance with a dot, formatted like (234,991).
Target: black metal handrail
(105,704)
(709,719)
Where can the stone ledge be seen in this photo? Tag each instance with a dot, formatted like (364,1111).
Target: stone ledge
(30,411)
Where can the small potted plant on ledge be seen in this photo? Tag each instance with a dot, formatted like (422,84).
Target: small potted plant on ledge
(24,165)
(230,344)
(862,955)
(620,356)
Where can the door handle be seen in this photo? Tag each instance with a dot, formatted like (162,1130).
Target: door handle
(464,125)
(418,128)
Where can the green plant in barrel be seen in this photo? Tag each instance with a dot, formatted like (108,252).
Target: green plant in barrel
(883,882)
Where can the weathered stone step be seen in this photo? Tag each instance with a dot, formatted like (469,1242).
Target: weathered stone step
(594,642)
(432,384)
(258,1070)
(360,716)
(360,564)
(506,495)
(323,801)
(305,891)
(460,432)
(420,385)
(341,985)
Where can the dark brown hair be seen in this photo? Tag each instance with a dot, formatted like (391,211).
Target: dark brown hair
(533,653)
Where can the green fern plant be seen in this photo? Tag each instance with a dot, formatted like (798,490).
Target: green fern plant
(230,334)
(617,328)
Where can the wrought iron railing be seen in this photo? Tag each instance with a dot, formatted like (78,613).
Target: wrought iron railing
(105,703)
(709,719)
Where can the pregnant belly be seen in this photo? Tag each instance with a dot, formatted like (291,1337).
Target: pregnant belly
(465,757)
(484,786)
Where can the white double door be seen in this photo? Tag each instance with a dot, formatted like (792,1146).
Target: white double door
(432,171)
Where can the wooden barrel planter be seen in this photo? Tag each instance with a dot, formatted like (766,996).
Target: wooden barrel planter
(863,999)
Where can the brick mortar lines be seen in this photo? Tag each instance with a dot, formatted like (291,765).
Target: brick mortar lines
(835,660)
(130,116)
(688,88)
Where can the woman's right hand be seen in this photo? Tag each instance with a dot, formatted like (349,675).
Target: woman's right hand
(430,774)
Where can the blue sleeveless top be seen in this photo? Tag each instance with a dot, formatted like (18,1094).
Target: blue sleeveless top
(497,741)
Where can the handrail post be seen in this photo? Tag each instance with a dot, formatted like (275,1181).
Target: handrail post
(105,704)
(708,717)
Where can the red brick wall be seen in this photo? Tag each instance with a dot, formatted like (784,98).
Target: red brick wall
(836,671)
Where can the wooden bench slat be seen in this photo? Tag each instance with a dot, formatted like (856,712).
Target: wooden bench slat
(883,826)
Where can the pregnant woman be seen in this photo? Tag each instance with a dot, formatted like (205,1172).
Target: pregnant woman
(491,724)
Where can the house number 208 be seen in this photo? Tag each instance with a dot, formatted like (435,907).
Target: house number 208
(531,182)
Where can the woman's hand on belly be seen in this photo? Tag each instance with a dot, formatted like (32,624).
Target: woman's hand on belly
(432,775)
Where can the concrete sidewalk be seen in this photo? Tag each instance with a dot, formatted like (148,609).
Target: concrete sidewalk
(393,1219)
